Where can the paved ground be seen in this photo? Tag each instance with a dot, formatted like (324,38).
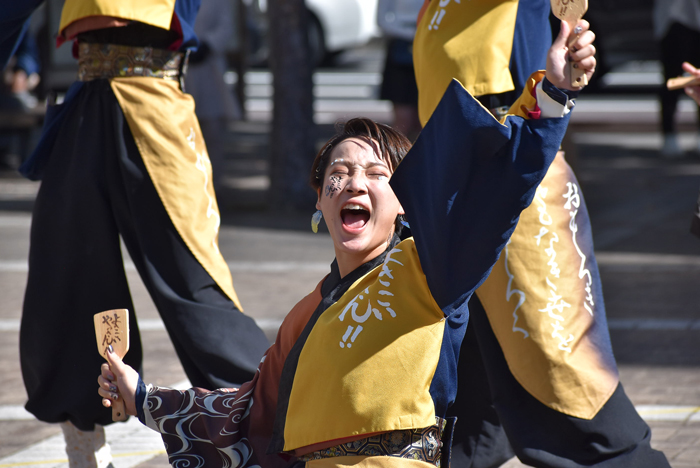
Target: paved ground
(640,206)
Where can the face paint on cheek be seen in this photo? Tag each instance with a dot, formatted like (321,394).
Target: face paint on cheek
(333,186)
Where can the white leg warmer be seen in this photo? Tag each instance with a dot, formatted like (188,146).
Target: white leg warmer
(86,449)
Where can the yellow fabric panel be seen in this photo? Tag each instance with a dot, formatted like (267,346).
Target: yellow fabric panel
(367,462)
(538,306)
(167,134)
(527,100)
(468,40)
(157,13)
(363,370)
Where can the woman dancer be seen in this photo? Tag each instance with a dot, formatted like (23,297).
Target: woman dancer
(364,367)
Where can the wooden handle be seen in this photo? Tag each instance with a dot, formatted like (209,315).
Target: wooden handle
(681,82)
(578,77)
(119,411)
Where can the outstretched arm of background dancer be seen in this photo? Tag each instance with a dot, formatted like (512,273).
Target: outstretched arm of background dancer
(692,91)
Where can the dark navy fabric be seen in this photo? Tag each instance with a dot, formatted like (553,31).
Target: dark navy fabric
(27,55)
(13,25)
(559,95)
(140,397)
(443,388)
(479,440)
(532,38)
(186,12)
(33,167)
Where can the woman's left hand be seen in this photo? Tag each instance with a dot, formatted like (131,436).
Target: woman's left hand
(578,50)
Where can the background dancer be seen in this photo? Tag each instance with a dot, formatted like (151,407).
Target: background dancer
(123,158)
(539,372)
(397,20)
(677,30)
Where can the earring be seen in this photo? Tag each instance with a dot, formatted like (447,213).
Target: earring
(315,220)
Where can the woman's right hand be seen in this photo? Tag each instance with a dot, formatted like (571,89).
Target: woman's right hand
(692,91)
(118,380)
(579,51)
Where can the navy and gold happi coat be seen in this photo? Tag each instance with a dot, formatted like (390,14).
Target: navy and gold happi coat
(376,351)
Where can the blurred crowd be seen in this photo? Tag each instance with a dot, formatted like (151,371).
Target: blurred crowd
(676,30)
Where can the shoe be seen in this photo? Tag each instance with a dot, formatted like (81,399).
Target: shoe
(671,148)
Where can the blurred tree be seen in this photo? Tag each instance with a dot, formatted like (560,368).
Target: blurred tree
(293,129)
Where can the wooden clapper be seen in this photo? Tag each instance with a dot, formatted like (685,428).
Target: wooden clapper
(112,328)
(680,82)
(571,11)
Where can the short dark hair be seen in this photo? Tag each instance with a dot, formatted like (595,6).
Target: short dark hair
(390,145)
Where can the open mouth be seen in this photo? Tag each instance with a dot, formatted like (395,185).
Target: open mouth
(354,216)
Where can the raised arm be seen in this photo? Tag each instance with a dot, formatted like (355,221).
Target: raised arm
(468,177)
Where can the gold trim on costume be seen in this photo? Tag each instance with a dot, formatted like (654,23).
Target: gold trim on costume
(162,120)
(424,444)
(111,61)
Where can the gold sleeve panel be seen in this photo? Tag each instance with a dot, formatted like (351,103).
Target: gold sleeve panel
(527,102)
(369,361)
(162,120)
(471,41)
(157,13)
(543,307)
